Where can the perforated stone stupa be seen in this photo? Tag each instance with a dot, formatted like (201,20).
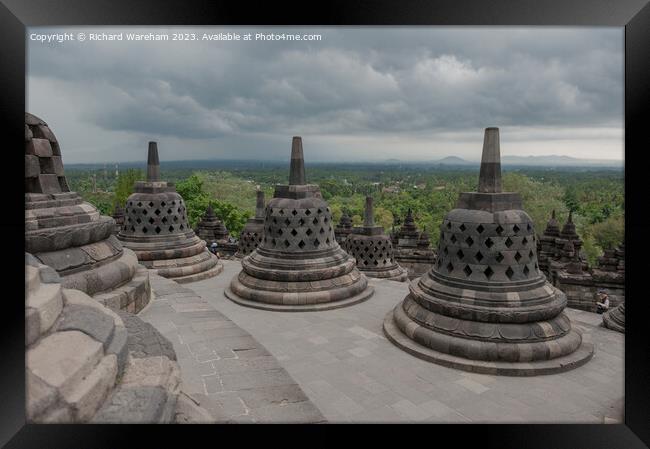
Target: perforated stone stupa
(485,306)
(118,216)
(69,235)
(373,250)
(546,244)
(210,228)
(299,265)
(412,248)
(156,228)
(343,229)
(253,233)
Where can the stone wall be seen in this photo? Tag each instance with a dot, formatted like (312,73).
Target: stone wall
(579,291)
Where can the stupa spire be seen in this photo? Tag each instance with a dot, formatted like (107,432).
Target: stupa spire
(153,163)
(297,170)
(369,216)
(490,175)
(259,205)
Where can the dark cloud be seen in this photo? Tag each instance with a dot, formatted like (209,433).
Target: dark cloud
(357,83)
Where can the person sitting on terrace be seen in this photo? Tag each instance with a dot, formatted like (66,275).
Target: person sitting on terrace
(602,306)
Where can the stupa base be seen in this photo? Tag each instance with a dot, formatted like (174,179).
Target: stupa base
(306,307)
(218,268)
(558,365)
(398,274)
(415,267)
(614,320)
(131,297)
(187,269)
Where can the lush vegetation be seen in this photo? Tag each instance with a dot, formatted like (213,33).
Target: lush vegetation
(596,197)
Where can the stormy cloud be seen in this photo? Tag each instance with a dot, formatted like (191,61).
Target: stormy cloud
(365,93)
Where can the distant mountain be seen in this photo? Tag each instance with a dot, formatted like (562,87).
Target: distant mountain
(453,160)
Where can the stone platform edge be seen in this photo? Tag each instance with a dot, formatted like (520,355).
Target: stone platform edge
(561,364)
(317,307)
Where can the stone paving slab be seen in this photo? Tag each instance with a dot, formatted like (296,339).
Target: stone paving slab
(352,373)
(224,369)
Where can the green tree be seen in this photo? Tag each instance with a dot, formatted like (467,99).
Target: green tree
(609,233)
(102,201)
(125,185)
(383,217)
(197,201)
(571,200)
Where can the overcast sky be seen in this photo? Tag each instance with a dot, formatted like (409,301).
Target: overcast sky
(359,94)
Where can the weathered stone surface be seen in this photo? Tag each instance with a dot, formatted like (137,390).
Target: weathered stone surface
(63,231)
(46,304)
(253,232)
(485,306)
(615,319)
(156,371)
(73,366)
(411,248)
(156,228)
(63,359)
(343,229)
(118,216)
(88,320)
(39,148)
(32,166)
(134,405)
(211,228)
(373,250)
(213,353)
(91,392)
(299,265)
(144,340)
(188,411)
(32,326)
(40,395)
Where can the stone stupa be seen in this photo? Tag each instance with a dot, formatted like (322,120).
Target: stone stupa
(118,216)
(484,306)
(253,233)
(70,235)
(210,228)
(546,250)
(373,250)
(610,276)
(157,230)
(343,229)
(299,266)
(411,248)
(615,319)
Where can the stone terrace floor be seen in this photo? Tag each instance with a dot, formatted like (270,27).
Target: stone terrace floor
(352,373)
(223,368)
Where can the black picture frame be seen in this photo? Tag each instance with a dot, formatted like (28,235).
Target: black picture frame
(634,15)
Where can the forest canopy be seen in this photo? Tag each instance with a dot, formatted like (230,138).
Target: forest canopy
(595,196)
